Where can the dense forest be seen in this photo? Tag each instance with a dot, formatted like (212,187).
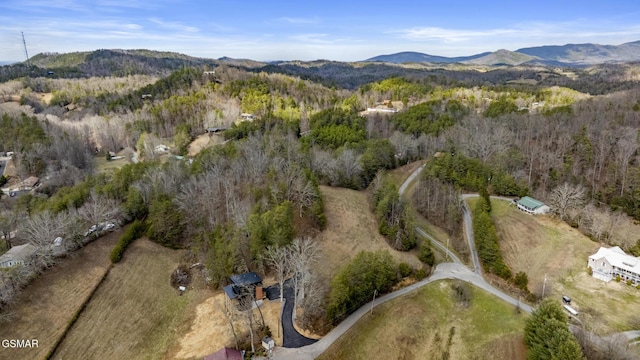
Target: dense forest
(571,141)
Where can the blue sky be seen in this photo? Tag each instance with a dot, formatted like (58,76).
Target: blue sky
(305,30)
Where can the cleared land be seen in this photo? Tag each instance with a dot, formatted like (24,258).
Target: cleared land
(431,324)
(351,228)
(541,245)
(135,312)
(47,305)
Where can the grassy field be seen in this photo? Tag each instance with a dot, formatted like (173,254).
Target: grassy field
(104,166)
(431,324)
(46,306)
(541,245)
(135,313)
(351,228)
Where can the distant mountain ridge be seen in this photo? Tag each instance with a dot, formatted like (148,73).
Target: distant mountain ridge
(567,55)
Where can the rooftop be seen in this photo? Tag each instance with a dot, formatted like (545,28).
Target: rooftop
(618,258)
(530,203)
(19,253)
(249,278)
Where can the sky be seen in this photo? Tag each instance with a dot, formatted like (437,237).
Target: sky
(343,30)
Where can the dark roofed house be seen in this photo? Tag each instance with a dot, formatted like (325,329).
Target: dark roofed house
(244,284)
(225,354)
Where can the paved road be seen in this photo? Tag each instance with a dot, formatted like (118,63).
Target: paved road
(468,229)
(442,271)
(291,338)
(451,255)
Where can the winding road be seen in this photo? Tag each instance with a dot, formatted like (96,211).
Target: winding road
(454,270)
(448,270)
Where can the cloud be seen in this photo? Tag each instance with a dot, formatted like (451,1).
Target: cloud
(174,25)
(450,35)
(298,20)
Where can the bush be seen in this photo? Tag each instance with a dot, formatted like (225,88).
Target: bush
(404,270)
(590,271)
(618,278)
(521,280)
(426,254)
(421,274)
(136,230)
(629,282)
(355,284)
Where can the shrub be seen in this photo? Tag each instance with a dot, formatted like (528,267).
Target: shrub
(590,271)
(404,269)
(521,280)
(629,282)
(618,278)
(421,274)
(426,254)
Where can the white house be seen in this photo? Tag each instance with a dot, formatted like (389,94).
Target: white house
(532,206)
(608,263)
(17,255)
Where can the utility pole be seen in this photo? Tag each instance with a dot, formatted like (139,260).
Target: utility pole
(25,51)
(374,300)
(544,284)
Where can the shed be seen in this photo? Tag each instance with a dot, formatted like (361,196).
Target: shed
(225,354)
(532,206)
(17,255)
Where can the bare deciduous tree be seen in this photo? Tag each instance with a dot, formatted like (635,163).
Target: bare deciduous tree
(565,197)
(98,209)
(279,258)
(304,253)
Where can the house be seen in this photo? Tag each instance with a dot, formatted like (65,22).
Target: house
(609,263)
(29,183)
(17,255)
(244,284)
(532,206)
(225,354)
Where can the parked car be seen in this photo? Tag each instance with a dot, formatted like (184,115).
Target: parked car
(109,226)
(566,299)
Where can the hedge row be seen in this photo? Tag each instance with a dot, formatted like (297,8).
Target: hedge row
(136,230)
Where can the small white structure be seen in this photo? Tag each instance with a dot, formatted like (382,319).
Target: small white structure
(571,310)
(57,241)
(161,148)
(532,206)
(608,263)
(17,255)
(268,343)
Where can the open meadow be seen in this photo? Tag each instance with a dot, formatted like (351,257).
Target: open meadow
(431,323)
(544,246)
(351,228)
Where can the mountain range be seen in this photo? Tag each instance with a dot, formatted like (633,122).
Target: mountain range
(564,55)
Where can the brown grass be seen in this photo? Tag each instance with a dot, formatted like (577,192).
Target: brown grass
(46,306)
(135,312)
(209,330)
(202,142)
(540,245)
(351,228)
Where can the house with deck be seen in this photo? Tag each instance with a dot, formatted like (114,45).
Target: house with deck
(243,286)
(609,263)
(532,206)
(17,256)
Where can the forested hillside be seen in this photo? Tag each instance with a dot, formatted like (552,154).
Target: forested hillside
(567,137)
